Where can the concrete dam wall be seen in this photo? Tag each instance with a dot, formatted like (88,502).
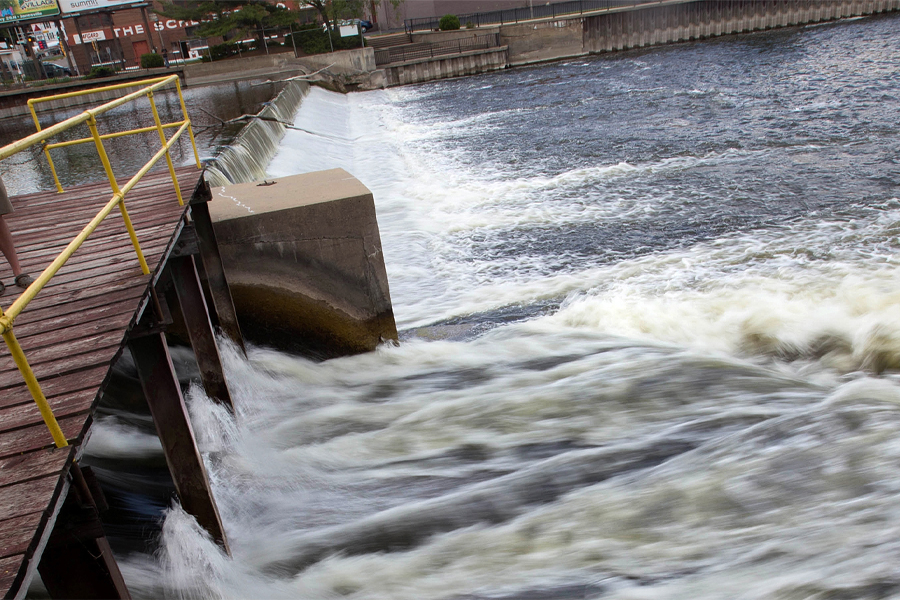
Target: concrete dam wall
(709,18)
(620,28)
(669,21)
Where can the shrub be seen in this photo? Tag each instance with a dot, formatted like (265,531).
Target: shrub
(100,72)
(311,39)
(449,22)
(470,25)
(152,61)
(220,51)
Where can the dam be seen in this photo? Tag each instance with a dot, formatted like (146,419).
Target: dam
(647,344)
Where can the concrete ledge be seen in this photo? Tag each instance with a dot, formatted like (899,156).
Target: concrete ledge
(444,67)
(282,64)
(304,263)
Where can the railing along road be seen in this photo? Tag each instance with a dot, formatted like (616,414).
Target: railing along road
(148,86)
(395,54)
(532,10)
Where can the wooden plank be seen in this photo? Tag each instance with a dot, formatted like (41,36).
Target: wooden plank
(88,201)
(66,349)
(23,415)
(84,288)
(9,569)
(72,327)
(27,229)
(55,386)
(22,498)
(43,246)
(42,240)
(101,243)
(51,317)
(101,356)
(31,465)
(71,333)
(17,533)
(111,260)
(163,393)
(80,212)
(36,437)
(154,181)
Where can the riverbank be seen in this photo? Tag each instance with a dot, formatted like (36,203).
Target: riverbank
(517,44)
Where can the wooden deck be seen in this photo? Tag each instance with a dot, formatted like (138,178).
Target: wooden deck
(71,333)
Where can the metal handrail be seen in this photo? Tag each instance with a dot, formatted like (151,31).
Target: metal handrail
(405,52)
(118,199)
(529,12)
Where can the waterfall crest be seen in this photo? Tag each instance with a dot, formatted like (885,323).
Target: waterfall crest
(246,158)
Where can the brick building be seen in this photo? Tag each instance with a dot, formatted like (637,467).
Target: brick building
(113,32)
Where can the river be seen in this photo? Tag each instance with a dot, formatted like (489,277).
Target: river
(650,344)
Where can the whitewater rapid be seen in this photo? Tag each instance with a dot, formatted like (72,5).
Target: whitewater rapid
(649,343)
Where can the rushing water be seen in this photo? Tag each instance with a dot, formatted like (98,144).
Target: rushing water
(650,343)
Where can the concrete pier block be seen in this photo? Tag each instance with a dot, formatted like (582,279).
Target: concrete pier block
(303,259)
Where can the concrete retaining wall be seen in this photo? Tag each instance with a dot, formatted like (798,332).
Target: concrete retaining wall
(667,22)
(543,40)
(427,69)
(359,60)
(684,21)
(344,62)
(434,37)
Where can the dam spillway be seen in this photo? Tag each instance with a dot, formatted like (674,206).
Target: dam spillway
(646,305)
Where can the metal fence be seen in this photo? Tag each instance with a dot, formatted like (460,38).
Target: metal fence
(395,54)
(526,13)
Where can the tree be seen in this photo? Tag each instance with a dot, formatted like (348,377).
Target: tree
(333,11)
(222,17)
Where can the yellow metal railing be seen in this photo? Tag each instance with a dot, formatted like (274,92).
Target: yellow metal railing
(148,86)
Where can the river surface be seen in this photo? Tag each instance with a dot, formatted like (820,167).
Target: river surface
(208,107)
(650,314)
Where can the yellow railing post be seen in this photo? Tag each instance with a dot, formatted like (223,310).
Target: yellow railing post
(187,120)
(31,381)
(162,138)
(145,269)
(37,124)
(118,199)
(92,124)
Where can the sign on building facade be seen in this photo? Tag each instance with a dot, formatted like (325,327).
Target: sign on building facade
(77,6)
(26,10)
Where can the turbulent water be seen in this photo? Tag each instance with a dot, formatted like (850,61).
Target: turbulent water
(650,313)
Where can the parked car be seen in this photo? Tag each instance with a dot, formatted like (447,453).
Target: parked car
(364,26)
(54,70)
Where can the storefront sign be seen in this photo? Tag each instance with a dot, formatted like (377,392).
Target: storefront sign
(78,6)
(22,10)
(90,36)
